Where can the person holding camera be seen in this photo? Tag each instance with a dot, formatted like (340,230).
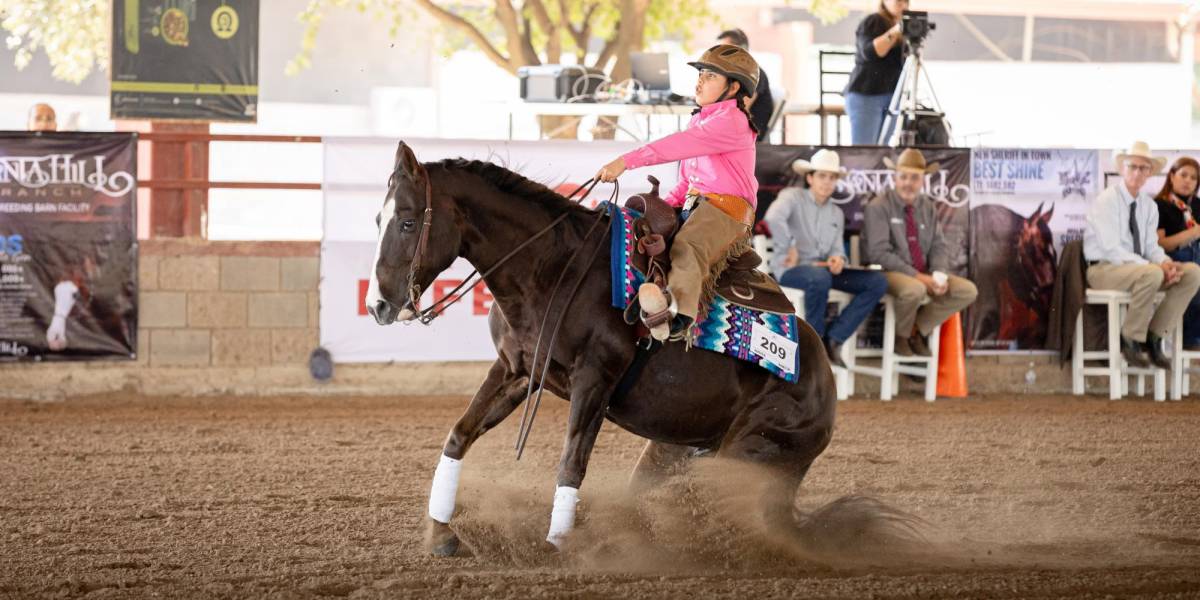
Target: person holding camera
(878,61)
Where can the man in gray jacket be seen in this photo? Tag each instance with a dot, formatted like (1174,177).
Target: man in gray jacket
(902,234)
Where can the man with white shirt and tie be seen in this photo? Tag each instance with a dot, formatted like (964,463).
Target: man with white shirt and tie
(1120,244)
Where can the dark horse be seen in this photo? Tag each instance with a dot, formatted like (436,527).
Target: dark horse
(1014,296)
(683,401)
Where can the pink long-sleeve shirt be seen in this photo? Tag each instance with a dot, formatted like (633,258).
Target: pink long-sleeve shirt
(715,153)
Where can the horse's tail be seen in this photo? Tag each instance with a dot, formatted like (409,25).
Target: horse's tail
(859,530)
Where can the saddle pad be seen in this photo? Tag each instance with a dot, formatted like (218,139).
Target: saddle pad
(766,339)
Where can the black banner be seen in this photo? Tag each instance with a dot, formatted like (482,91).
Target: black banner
(185,60)
(68,246)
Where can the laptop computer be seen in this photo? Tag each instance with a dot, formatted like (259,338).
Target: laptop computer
(652,69)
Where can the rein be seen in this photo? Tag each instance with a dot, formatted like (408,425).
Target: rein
(435,310)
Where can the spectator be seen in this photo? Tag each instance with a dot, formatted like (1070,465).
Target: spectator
(878,60)
(903,235)
(1120,243)
(42,118)
(1179,235)
(809,252)
(762,103)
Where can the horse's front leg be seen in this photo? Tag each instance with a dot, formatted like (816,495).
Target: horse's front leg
(590,391)
(501,392)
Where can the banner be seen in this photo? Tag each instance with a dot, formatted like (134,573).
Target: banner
(68,250)
(868,176)
(356,175)
(185,59)
(1027,204)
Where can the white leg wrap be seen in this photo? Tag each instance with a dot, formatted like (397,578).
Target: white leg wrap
(445,487)
(562,517)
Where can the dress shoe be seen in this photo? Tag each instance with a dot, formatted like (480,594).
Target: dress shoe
(917,342)
(1133,353)
(1154,347)
(902,348)
(834,350)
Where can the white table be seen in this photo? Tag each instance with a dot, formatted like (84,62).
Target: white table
(604,111)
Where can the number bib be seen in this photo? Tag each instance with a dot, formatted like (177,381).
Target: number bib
(773,348)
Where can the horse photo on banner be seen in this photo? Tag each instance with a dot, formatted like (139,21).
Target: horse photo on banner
(1027,204)
(68,248)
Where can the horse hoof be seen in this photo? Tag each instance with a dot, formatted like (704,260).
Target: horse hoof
(440,539)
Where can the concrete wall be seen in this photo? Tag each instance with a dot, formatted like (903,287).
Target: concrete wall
(242,318)
(229,317)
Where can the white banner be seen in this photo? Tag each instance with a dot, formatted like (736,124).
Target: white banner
(356,174)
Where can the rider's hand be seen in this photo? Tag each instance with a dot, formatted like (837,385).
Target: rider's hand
(610,172)
(836,264)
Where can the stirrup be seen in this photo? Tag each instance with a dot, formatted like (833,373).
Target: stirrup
(657,310)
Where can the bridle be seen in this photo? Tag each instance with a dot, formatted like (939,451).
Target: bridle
(439,306)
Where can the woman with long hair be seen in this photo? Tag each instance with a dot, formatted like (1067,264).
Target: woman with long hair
(1179,234)
(878,60)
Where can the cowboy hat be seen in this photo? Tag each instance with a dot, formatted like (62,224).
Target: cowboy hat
(911,161)
(823,160)
(1140,149)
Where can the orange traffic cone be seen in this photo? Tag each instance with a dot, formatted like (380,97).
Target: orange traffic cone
(952,363)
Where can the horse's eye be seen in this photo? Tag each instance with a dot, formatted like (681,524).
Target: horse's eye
(408,225)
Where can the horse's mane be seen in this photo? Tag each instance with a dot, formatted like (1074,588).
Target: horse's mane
(509,182)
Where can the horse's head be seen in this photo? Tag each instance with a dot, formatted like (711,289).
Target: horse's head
(417,241)
(1035,251)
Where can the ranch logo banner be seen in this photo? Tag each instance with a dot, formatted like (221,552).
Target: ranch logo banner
(1027,204)
(68,251)
(868,176)
(185,60)
(356,173)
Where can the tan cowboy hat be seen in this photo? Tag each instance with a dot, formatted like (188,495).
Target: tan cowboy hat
(823,160)
(1140,149)
(911,161)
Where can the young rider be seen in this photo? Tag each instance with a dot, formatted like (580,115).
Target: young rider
(716,180)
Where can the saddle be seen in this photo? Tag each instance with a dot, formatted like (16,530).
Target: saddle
(739,280)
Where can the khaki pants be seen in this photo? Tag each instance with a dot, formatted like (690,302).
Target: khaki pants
(909,292)
(1143,282)
(704,239)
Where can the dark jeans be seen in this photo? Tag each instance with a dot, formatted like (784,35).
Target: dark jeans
(867,286)
(1191,316)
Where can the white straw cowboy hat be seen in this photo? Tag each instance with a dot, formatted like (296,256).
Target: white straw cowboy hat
(1140,149)
(911,161)
(823,160)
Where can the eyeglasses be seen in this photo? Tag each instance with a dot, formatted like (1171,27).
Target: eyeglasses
(1137,168)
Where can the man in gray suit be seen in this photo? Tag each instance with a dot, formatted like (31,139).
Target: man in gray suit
(902,234)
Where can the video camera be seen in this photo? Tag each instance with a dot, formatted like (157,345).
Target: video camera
(916,26)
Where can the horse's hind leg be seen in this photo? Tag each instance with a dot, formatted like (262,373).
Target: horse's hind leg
(657,462)
(786,434)
(499,395)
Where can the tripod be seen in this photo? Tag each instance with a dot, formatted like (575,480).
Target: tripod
(906,107)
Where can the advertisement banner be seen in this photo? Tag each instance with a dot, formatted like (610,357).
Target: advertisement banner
(868,176)
(356,175)
(68,246)
(1026,205)
(185,60)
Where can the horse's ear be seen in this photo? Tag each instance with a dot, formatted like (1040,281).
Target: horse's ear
(1046,217)
(407,160)
(1037,214)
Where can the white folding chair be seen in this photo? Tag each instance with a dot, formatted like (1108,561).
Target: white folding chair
(1181,364)
(891,365)
(1113,365)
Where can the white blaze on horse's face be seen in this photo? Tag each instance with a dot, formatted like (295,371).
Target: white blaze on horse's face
(65,294)
(374,295)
